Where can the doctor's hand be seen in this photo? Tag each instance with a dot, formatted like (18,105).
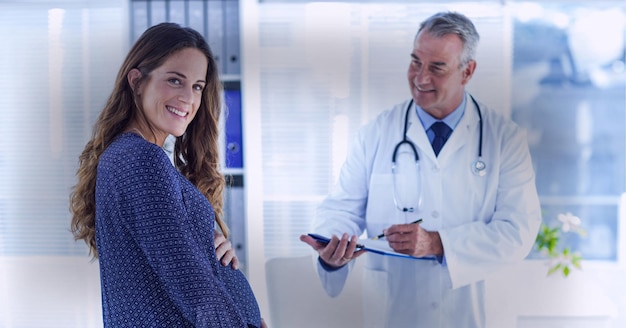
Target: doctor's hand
(413,240)
(224,251)
(338,252)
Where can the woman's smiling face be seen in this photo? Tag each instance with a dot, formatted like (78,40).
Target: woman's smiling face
(171,94)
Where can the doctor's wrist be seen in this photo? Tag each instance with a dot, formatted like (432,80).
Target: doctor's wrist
(327,267)
(436,247)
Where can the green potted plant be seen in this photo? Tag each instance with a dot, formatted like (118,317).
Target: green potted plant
(549,243)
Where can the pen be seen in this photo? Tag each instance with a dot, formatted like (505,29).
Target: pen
(383,234)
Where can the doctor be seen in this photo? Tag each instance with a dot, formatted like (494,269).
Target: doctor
(476,194)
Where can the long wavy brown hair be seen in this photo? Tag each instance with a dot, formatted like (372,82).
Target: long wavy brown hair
(196,153)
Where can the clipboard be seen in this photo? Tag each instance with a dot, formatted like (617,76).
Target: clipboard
(375,246)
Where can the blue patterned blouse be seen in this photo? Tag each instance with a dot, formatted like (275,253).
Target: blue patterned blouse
(154,234)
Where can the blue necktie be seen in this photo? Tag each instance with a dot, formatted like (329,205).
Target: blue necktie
(442,132)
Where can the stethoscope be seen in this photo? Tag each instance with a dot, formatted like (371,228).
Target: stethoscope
(478,167)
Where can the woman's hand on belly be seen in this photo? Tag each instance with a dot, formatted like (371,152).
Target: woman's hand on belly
(225,252)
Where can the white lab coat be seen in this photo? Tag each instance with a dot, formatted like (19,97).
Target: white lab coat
(485,222)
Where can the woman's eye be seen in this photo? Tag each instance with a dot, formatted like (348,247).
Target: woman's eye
(198,87)
(174,81)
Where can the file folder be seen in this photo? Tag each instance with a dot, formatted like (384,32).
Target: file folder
(231,33)
(215,32)
(233,131)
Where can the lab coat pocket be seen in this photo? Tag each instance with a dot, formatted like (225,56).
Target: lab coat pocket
(482,193)
(375,294)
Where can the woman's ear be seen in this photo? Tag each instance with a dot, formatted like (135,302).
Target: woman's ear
(133,79)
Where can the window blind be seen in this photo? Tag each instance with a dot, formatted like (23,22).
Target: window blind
(58,63)
(58,69)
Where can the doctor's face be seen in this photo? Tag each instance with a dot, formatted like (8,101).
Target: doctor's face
(436,78)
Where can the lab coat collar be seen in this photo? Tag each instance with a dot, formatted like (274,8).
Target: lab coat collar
(463,131)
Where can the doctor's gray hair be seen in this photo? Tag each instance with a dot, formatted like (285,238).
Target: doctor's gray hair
(444,23)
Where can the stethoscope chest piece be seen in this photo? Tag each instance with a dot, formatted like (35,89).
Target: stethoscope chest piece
(479,168)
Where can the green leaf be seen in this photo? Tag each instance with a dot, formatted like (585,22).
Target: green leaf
(576,258)
(566,271)
(554,269)
(566,252)
(552,244)
(577,264)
